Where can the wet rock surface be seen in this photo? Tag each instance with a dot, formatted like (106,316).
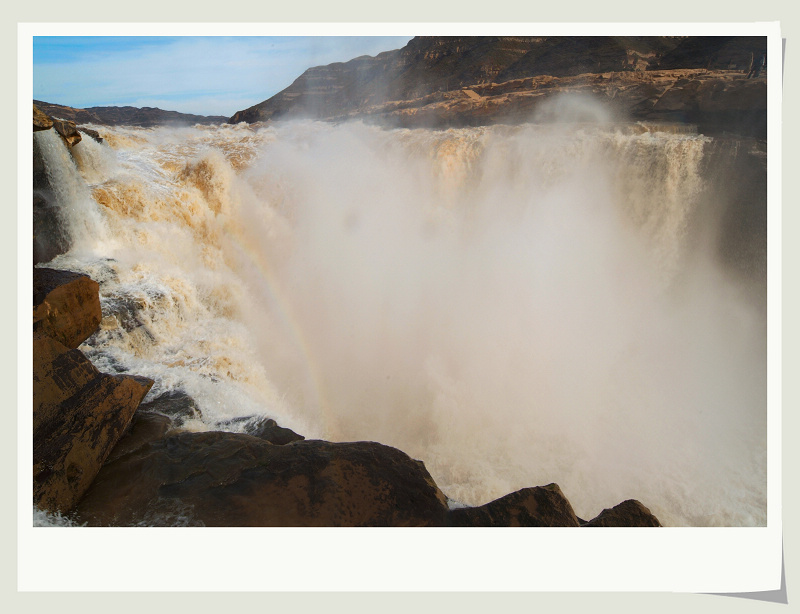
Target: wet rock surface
(630,513)
(175,405)
(541,506)
(79,414)
(232,479)
(263,428)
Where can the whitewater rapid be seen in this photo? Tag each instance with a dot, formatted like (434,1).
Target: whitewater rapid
(514,306)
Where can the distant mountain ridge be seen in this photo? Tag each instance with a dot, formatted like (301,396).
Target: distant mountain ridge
(430,65)
(125,116)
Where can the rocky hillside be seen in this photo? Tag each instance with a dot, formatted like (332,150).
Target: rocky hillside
(456,81)
(125,116)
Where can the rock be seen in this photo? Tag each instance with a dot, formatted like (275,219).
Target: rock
(629,513)
(66,305)
(79,414)
(40,120)
(122,313)
(49,236)
(264,428)
(270,431)
(175,405)
(233,479)
(68,131)
(541,506)
(144,428)
(92,133)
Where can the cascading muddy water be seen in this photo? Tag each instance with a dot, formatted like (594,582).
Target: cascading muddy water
(512,305)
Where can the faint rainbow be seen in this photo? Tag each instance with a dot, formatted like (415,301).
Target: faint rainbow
(247,249)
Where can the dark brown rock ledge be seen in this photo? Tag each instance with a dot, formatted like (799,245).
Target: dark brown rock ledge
(233,479)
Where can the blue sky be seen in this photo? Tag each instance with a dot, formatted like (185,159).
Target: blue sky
(215,75)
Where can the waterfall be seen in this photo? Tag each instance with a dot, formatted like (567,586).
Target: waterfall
(512,305)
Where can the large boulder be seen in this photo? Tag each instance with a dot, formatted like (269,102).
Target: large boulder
(541,506)
(234,479)
(92,133)
(68,131)
(79,414)
(630,513)
(66,305)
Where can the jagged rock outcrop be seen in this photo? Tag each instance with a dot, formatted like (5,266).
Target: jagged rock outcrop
(541,506)
(79,414)
(91,133)
(630,513)
(41,121)
(462,81)
(233,479)
(125,116)
(68,131)
(66,305)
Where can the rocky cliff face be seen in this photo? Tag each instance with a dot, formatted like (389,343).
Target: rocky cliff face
(457,81)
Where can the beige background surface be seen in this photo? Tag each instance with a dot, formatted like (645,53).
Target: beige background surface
(427,12)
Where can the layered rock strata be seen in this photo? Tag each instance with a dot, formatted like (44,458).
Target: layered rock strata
(66,305)
(79,414)
(460,81)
